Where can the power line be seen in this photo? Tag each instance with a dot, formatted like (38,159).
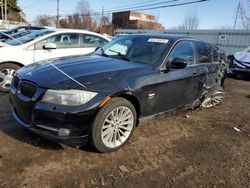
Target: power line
(125,6)
(173,5)
(142,8)
(41,3)
(147,5)
(133,7)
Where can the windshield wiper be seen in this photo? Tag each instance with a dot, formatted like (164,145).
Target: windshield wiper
(103,53)
(124,57)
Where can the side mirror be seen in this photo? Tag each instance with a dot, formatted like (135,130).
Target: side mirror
(177,63)
(49,46)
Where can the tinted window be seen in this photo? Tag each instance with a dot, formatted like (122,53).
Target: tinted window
(204,52)
(65,40)
(92,41)
(185,51)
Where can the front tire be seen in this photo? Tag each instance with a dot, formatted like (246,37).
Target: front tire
(113,125)
(7,71)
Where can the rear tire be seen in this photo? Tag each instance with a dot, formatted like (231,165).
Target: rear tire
(7,71)
(113,125)
(213,97)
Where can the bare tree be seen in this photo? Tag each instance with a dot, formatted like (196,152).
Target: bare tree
(191,22)
(84,11)
(44,20)
(84,18)
(244,14)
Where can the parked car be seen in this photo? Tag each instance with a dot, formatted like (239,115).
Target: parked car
(15,35)
(42,45)
(239,63)
(5,34)
(101,98)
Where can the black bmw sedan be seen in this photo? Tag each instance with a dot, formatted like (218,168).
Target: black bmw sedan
(102,97)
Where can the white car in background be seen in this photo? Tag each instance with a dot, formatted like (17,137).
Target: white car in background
(43,45)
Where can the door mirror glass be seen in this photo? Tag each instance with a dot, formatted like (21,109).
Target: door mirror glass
(177,63)
(49,46)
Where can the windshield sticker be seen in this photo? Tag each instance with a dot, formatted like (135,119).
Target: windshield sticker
(165,41)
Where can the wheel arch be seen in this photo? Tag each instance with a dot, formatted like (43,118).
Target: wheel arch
(131,98)
(13,62)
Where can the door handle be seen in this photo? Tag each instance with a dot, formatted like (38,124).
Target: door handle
(195,74)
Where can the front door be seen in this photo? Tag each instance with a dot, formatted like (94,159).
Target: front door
(178,87)
(67,44)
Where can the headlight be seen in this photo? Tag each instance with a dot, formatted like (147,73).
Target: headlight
(68,97)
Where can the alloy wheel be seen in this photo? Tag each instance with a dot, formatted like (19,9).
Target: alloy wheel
(6,76)
(213,100)
(117,127)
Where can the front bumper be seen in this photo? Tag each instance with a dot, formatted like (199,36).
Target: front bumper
(63,124)
(50,134)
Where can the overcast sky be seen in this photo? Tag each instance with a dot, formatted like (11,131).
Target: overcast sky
(212,13)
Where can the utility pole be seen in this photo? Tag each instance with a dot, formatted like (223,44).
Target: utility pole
(57,15)
(6,19)
(236,17)
(101,22)
(2,11)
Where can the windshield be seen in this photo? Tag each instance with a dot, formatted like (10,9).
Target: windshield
(29,37)
(16,35)
(138,49)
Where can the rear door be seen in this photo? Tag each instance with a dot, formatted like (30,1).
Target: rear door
(178,87)
(207,59)
(67,44)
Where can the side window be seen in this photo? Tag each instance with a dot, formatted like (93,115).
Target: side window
(204,52)
(92,41)
(66,40)
(185,51)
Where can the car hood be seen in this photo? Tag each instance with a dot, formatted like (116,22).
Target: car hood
(93,72)
(242,57)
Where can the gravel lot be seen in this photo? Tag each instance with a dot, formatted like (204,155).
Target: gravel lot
(193,149)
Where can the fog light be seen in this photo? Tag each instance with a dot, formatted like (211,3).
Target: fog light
(64,132)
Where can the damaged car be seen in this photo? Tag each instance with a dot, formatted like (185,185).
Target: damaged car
(239,63)
(102,97)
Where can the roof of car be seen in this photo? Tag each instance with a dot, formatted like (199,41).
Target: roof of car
(166,36)
(62,30)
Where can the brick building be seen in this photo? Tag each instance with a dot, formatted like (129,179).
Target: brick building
(135,20)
